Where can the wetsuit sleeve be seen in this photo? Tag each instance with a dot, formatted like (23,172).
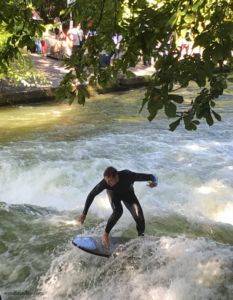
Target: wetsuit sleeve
(143,177)
(96,191)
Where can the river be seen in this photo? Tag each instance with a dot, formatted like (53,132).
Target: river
(52,155)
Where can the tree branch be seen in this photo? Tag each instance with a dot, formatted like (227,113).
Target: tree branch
(179,88)
(101,13)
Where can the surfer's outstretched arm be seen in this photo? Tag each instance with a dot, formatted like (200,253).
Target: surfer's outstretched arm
(96,191)
(143,177)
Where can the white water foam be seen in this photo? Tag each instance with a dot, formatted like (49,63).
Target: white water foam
(62,174)
(147,268)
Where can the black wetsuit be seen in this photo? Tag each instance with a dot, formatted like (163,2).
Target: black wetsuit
(122,190)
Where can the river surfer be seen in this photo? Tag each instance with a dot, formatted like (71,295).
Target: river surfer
(119,186)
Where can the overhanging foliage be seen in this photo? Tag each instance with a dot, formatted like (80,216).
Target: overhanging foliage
(143,24)
(16,31)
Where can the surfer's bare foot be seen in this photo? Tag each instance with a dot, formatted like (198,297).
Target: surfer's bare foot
(105,241)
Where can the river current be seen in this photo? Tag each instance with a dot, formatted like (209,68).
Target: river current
(52,155)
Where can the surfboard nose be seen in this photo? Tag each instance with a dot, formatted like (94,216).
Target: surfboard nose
(86,243)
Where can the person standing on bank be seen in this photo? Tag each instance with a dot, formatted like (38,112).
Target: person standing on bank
(117,38)
(119,186)
(76,36)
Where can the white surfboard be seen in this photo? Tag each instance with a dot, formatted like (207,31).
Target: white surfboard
(93,245)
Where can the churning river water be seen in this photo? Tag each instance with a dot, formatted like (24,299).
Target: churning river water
(52,155)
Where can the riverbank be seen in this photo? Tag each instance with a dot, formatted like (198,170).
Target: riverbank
(51,68)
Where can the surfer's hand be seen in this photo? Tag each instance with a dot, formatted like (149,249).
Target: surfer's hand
(152,184)
(81,218)
(105,241)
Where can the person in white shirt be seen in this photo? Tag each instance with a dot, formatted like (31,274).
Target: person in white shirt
(76,35)
(184,45)
(92,32)
(117,38)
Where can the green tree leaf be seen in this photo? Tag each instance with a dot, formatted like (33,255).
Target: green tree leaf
(174,125)
(189,18)
(170,110)
(197,5)
(176,98)
(81,97)
(209,119)
(130,74)
(172,20)
(217,116)
(212,103)
(217,54)
(190,126)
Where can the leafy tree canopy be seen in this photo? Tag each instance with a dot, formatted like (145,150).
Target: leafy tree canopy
(146,26)
(17,30)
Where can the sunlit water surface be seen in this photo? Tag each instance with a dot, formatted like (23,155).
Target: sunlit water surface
(52,155)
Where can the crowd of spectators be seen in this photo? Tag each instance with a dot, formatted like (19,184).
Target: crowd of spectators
(75,37)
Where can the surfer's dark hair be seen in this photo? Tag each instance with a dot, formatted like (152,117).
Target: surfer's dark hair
(110,172)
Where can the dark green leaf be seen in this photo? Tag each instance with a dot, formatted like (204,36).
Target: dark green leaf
(176,98)
(188,117)
(151,117)
(196,107)
(204,39)
(212,103)
(92,80)
(145,100)
(196,122)
(217,116)
(170,110)
(174,125)
(164,90)
(190,126)
(194,127)
(159,104)
(81,97)
(86,93)
(208,67)
(207,53)
(130,74)
(159,62)
(217,54)
(199,99)
(209,119)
